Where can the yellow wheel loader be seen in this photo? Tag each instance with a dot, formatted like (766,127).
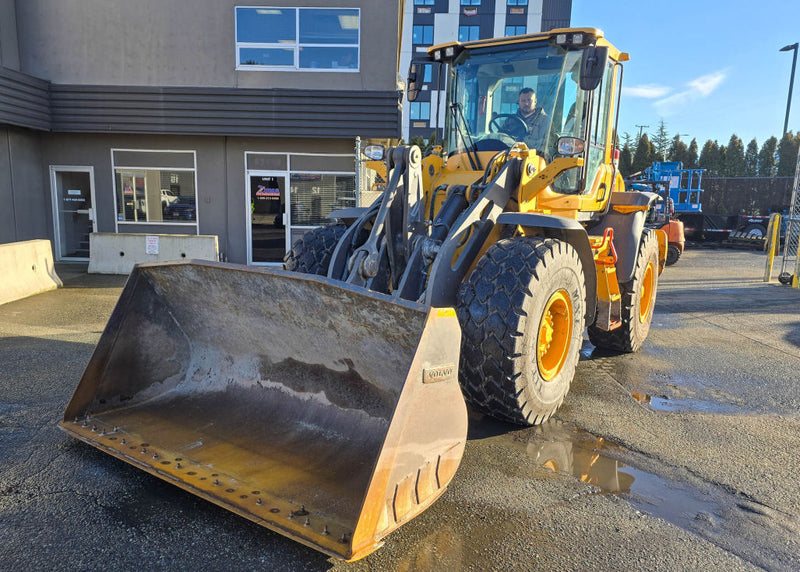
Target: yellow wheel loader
(324,401)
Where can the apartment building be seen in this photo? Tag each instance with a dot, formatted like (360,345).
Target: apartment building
(230,118)
(431,22)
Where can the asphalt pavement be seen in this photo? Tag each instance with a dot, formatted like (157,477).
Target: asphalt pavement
(681,456)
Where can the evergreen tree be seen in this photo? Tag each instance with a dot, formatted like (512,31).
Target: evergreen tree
(711,158)
(691,156)
(625,160)
(661,142)
(787,154)
(751,159)
(644,156)
(627,141)
(766,158)
(677,150)
(734,164)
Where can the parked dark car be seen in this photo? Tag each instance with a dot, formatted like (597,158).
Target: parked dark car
(183,208)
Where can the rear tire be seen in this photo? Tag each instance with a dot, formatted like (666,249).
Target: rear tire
(755,230)
(638,301)
(673,254)
(521,313)
(312,253)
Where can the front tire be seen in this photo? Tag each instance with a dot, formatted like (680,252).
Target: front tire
(312,253)
(521,313)
(673,254)
(638,302)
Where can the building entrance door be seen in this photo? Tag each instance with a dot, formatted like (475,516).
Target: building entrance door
(72,191)
(269,224)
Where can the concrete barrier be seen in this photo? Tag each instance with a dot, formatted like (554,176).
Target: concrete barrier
(26,268)
(117,253)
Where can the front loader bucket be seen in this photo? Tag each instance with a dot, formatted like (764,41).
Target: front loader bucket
(326,413)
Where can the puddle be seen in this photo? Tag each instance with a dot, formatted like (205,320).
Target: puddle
(663,403)
(564,448)
(642,376)
(745,527)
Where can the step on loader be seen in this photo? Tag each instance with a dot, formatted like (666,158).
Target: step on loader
(324,401)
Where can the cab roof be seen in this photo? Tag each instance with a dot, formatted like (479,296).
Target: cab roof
(592,36)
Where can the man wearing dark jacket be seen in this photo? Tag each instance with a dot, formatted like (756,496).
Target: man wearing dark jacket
(530,122)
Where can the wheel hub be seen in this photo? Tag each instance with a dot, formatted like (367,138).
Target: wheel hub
(646,293)
(555,334)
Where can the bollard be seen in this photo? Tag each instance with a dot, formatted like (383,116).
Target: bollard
(773,243)
(795,283)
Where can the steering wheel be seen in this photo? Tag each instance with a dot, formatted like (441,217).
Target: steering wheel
(516,127)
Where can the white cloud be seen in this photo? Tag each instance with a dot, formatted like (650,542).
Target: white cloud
(706,84)
(647,91)
(698,88)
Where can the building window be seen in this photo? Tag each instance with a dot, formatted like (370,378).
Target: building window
(516,30)
(314,195)
(420,110)
(470,2)
(426,77)
(155,186)
(517,2)
(422,35)
(293,39)
(424,2)
(468,33)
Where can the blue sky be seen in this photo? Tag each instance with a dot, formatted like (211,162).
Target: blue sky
(709,68)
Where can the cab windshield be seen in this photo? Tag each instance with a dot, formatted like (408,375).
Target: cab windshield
(519,94)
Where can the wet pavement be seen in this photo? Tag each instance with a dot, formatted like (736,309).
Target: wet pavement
(682,456)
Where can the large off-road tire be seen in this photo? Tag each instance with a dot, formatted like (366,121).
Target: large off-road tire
(673,254)
(521,313)
(638,302)
(312,253)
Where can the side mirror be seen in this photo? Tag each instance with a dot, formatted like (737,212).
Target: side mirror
(593,65)
(415,77)
(570,146)
(374,152)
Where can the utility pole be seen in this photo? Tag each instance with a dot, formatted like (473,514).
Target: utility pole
(641,128)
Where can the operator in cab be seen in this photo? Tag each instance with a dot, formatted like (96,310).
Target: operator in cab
(530,124)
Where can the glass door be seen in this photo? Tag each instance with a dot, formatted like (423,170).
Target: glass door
(268,220)
(72,190)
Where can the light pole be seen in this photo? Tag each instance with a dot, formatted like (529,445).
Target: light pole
(792,47)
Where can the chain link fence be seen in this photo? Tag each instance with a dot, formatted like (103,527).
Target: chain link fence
(791,261)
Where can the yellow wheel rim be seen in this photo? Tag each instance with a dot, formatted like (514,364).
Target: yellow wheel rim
(646,298)
(555,334)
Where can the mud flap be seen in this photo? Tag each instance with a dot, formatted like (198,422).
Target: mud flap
(324,412)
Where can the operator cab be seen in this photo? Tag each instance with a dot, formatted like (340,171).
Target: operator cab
(484,89)
(572,79)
